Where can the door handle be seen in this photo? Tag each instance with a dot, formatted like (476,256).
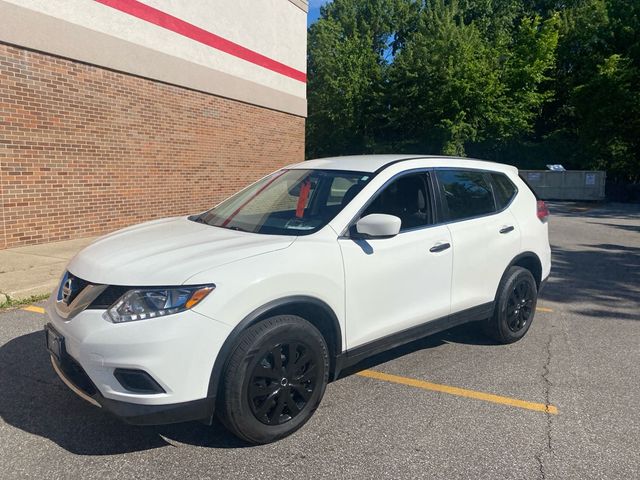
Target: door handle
(439,247)
(507,229)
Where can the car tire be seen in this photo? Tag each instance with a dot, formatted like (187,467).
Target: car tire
(515,306)
(274,380)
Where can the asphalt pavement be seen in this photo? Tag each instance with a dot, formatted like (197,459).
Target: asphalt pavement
(562,403)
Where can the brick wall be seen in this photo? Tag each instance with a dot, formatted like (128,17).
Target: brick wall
(84,150)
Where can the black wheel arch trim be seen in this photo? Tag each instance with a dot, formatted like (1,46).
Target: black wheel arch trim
(524,255)
(262,312)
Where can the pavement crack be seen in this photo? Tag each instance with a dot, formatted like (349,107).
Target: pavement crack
(547,389)
(548,447)
(538,457)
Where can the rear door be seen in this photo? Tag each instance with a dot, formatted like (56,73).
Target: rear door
(485,235)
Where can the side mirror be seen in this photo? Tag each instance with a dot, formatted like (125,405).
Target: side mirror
(378,225)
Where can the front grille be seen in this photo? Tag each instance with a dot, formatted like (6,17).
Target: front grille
(103,301)
(77,285)
(108,297)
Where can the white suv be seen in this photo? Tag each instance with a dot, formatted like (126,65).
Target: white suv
(249,309)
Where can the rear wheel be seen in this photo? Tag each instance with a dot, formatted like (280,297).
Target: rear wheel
(515,306)
(275,379)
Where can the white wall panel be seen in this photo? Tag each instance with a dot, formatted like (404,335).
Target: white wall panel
(273,28)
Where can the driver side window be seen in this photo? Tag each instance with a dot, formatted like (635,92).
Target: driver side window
(407,197)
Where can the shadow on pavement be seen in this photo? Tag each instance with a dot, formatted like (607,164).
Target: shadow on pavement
(604,274)
(616,211)
(34,399)
(469,334)
(628,228)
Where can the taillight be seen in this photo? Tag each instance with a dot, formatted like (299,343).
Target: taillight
(543,211)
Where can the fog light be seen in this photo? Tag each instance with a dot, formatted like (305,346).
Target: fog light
(137,381)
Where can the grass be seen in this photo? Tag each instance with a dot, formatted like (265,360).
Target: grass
(18,302)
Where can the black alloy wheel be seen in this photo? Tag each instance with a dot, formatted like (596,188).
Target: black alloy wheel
(515,306)
(282,382)
(519,305)
(274,379)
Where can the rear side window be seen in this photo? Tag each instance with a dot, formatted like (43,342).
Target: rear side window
(466,193)
(504,189)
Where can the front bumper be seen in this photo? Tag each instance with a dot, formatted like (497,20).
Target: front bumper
(176,351)
(136,414)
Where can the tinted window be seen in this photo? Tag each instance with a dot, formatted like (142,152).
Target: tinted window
(466,193)
(407,198)
(503,189)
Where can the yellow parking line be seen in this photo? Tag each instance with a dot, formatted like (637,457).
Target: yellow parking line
(34,309)
(461,392)
(543,309)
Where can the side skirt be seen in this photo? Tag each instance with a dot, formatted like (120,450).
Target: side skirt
(357,354)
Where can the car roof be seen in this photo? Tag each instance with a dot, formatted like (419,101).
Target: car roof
(374,163)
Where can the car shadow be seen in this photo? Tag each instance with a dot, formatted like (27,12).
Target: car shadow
(34,399)
(468,334)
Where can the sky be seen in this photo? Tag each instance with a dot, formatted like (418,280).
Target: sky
(314,10)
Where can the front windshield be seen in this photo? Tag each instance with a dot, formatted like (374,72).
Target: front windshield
(288,202)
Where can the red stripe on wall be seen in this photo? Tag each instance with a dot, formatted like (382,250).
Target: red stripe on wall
(164,20)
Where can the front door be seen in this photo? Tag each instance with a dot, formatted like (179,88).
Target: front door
(393,284)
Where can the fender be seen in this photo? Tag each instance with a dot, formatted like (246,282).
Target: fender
(522,259)
(335,348)
(525,260)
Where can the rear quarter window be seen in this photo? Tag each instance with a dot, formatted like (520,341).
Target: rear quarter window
(503,188)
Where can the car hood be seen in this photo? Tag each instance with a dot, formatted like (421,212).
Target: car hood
(167,252)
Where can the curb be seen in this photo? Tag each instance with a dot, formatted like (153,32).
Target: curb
(43,289)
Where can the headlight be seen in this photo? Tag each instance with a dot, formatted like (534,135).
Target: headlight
(141,304)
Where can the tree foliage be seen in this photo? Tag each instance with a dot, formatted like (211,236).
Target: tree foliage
(527,82)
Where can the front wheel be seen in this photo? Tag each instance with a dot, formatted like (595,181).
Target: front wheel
(515,306)
(274,380)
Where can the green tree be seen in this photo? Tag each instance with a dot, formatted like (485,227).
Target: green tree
(453,84)
(607,111)
(350,47)
(439,83)
(593,118)
(527,82)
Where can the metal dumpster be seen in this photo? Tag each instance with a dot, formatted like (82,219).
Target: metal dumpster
(567,185)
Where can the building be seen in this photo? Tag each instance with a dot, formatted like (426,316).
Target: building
(114,112)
